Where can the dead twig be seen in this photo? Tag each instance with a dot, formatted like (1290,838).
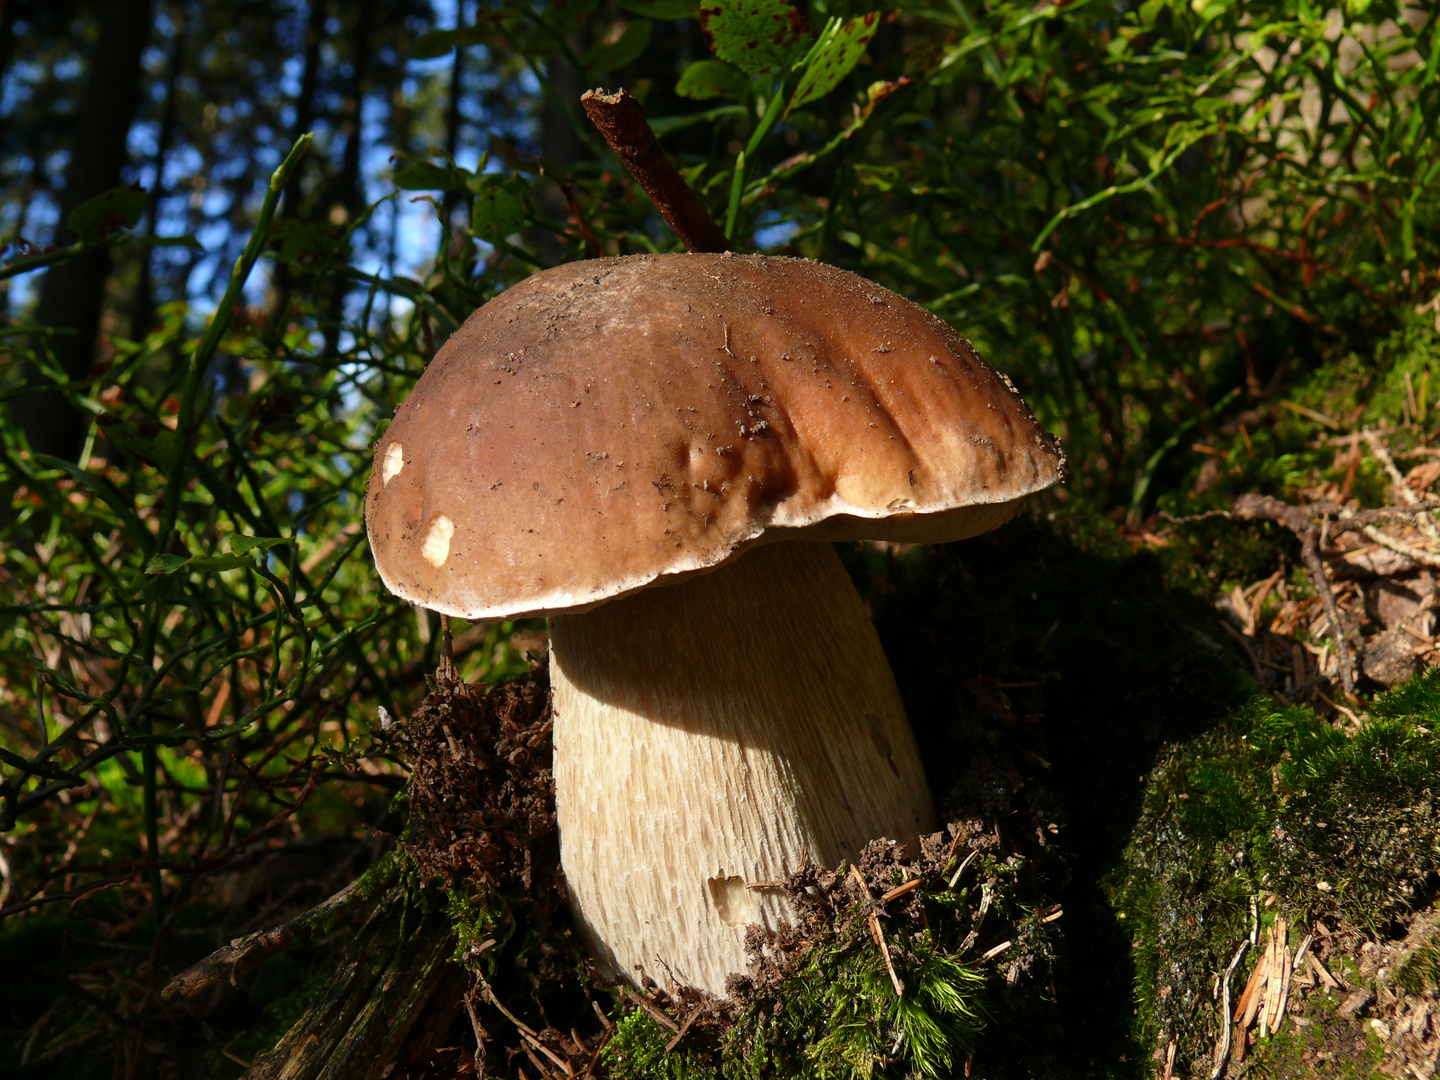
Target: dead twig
(1381,453)
(651,1010)
(695,1012)
(229,963)
(1400,547)
(872,919)
(1299,521)
(1222,1052)
(621,119)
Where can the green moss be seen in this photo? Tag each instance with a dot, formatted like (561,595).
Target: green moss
(836,1018)
(1291,1053)
(636,1051)
(1276,805)
(1421,971)
(1377,383)
(1283,451)
(478,916)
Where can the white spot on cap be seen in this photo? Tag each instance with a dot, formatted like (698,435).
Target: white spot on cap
(394,462)
(435,544)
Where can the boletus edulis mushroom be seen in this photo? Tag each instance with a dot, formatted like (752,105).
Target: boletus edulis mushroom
(706,423)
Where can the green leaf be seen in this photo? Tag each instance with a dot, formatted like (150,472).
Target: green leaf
(306,242)
(840,49)
(141,437)
(242,548)
(668,10)
(755,35)
(666,125)
(170,241)
(711,79)
(414,174)
(434,43)
(100,487)
(98,217)
(169,564)
(244,545)
(625,50)
(499,207)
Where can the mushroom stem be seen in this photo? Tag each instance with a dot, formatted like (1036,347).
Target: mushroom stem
(708,736)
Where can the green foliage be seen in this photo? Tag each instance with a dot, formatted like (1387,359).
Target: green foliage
(663,9)
(757,36)
(838,49)
(712,78)
(499,207)
(118,208)
(415,175)
(189,615)
(624,50)
(435,43)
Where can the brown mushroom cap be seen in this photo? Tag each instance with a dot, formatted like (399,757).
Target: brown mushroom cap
(607,424)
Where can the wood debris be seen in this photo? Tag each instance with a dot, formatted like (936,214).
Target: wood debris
(1263,1002)
(1373,573)
(873,920)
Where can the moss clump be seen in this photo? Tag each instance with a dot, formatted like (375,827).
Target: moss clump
(837,1016)
(637,1050)
(1420,973)
(1276,806)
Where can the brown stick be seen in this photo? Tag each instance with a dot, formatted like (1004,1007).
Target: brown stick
(1298,521)
(621,119)
(244,954)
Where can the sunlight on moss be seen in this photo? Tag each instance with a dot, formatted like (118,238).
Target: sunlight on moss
(1280,807)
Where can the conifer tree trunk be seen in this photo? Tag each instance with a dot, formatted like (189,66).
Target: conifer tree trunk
(304,121)
(348,191)
(453,120)
(72,293)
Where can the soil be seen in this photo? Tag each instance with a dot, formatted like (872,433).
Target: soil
(482,797)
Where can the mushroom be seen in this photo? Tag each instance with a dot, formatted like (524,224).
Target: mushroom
(708,423)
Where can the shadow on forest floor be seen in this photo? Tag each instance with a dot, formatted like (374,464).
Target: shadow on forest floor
(1071,665)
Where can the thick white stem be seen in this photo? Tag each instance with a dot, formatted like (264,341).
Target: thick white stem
(707,736)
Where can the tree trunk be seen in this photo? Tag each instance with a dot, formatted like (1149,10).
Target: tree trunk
(304,121)
(72,293)
(453,121)
(142,310)
(348,190)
